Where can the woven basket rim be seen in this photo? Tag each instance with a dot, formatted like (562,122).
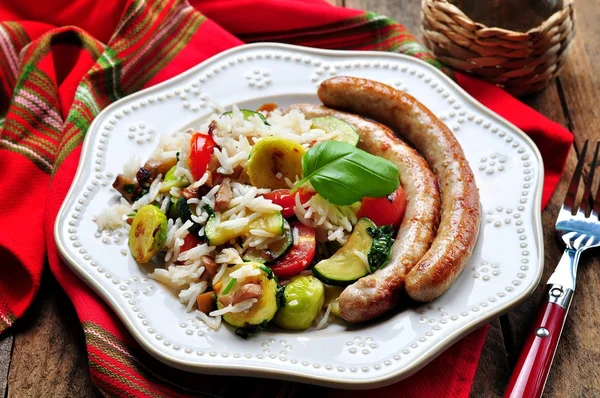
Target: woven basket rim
(494,30)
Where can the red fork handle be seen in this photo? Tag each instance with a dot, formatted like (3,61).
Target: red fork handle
(529,376)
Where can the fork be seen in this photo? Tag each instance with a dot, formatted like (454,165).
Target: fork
(578,229)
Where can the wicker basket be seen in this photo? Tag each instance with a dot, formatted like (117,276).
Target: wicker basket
(520,62)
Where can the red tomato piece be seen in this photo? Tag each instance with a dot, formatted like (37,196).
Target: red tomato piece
(189,242)
(300,254)
(385,210)
(202,150)
(287,200)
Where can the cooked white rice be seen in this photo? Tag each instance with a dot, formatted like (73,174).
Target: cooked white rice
(235,137)
(131,166)
(245,271)
(151,196)
(363,258)
(325,319)
(113,217)
(189,295)
(212,322)
(331,222)
(239,307)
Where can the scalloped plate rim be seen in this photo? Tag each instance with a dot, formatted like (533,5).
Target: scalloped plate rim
(249,370)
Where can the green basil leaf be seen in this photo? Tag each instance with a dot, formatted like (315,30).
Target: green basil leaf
(344,174)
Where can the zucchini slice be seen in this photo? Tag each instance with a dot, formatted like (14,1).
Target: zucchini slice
(266,306)
(170,181)
(330,124)
(274,251)
(345,266)
(218,235)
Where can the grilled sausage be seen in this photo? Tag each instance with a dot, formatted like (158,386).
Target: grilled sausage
(377,293)
(460,214)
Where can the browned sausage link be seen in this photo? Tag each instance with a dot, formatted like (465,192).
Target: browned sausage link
(375,294)
(459,225)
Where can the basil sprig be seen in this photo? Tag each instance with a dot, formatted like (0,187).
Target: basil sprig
(344,174)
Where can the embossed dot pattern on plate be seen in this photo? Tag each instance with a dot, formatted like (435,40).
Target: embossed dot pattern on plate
(495,277)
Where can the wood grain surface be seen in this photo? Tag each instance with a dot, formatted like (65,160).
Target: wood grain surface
(44,354)
(48,352)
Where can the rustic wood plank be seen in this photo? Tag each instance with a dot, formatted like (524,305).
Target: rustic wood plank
(407,13)
(6,344)
(580,80)
(49,355)
(493,370)
(576,368)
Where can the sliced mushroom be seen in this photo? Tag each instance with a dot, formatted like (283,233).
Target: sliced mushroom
(213,164)
(223,196)
(246,292)
(210,267)
(127,187)
(153,168)
(189,193)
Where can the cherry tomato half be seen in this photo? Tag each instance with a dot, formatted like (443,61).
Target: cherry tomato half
(300,254)
(287,200)
(189,242)
(385,210)
(202,149)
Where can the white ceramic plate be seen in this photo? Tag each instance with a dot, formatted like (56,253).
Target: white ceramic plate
(504,270)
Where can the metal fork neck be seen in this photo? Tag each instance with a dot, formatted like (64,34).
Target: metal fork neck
(561,284)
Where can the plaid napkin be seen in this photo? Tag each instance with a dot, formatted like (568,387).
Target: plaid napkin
(62,62)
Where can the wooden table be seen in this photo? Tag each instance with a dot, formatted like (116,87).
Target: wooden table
(44,354)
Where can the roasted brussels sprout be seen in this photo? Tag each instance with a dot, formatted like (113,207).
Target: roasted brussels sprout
(304,297)
(148,233)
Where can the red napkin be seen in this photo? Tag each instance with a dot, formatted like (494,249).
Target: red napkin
(61,62)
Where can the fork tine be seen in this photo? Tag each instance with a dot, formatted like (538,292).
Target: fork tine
(587,193)
(572,192)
